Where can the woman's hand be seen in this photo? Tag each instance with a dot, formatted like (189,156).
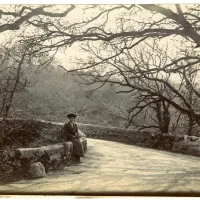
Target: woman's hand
(72,136)
(77,135)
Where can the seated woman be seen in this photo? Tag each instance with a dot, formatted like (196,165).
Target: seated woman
(71,134)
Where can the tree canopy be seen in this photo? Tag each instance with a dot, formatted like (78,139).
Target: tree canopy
(149,51)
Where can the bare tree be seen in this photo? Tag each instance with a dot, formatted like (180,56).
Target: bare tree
(15,16)
(145,72)
(190,79)
(12,79)
(135,23)
(132,25)
(135,27)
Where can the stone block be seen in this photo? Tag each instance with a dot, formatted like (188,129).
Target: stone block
(29,152)
(37,170)
(52,150)
(189,145)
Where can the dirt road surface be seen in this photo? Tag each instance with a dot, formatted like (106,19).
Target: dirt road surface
(111,168)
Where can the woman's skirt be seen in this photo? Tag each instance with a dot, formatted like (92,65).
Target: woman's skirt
(78,148)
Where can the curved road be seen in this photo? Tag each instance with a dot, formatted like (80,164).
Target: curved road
(111,168)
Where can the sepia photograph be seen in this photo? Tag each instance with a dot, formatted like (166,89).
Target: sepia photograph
(100,99)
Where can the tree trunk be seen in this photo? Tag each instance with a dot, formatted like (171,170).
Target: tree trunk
(163,116)
(17,80)
(190,126)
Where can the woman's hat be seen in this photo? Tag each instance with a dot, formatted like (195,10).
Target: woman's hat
(71,115)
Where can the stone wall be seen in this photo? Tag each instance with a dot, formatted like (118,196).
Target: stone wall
(175,143)
(36,160)
(116,134)
(54,131)
(189,145)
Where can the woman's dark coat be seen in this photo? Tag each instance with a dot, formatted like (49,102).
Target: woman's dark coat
(71,134)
